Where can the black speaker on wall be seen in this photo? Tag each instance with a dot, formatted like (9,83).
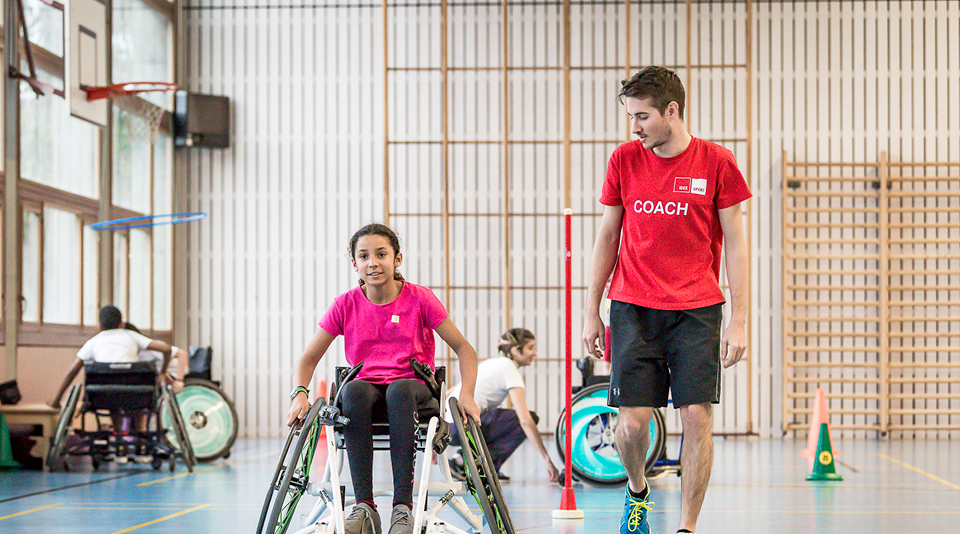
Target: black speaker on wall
(201,120)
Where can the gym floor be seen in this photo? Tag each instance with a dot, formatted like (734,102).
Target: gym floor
(757,486)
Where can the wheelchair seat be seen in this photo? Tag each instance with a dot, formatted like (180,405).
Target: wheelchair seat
(122,388)
(380,423)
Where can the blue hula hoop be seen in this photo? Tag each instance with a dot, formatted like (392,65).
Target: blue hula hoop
(174,218)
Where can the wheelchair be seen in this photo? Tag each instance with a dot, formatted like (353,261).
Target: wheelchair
(210,419)
(119,390)
(593,455)
(291,479)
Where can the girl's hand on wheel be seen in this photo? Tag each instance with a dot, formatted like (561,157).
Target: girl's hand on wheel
(469,408)
(299,407)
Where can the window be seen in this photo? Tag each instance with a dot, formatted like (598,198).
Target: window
(56,149)
(91,276)
(44,25)
(61,262)
(131,163)
(142,166)
(30,300)
(163,235)
(139,308)
(120,280)
(142,47)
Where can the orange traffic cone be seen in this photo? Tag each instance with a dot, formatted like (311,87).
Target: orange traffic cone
(322,394)
(320,454)
(820,416)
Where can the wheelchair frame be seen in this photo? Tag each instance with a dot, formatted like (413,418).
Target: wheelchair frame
(292,477)
(101,444)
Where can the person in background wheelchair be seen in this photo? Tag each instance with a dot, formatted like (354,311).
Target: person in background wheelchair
(505,429)
(115,344)
(385,322)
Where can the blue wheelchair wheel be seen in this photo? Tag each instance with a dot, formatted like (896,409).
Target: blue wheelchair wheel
(210,419)
(594,454)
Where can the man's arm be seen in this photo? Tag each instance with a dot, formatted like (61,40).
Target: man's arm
(733,345)
(67,380)
(164,349)
(183,360)
(518,398)
(605,253)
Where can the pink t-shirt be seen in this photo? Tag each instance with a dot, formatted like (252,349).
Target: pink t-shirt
(386,336)
(671,242)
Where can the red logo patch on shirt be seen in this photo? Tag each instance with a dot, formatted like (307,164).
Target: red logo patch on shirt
(681,185)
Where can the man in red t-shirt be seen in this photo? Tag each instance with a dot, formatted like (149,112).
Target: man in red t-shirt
(674,199)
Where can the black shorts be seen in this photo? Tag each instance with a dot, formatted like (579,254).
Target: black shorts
(661,351)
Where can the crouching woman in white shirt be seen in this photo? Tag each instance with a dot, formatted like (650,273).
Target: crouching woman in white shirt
(504,429)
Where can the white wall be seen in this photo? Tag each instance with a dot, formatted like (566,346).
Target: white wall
(831,81)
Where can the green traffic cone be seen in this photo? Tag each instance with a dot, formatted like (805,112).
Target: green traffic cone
(6,451)
(823,468)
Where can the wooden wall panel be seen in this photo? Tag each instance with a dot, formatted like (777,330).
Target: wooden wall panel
(830,81)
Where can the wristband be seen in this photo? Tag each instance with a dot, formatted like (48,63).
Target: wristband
(298,389)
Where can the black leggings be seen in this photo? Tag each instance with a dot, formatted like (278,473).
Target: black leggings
(401,400)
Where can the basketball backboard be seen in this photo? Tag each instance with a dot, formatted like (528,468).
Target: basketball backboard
(86,47)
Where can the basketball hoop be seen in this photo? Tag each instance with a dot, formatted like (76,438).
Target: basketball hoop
(126,97)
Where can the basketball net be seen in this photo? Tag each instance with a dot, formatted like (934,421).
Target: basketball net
(146,117)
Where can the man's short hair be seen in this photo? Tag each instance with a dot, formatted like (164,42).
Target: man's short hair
(658,83)
(110,318)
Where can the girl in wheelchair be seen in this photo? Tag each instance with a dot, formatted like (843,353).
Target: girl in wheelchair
(385,322)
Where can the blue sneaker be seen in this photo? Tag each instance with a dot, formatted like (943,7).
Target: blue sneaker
(635,514)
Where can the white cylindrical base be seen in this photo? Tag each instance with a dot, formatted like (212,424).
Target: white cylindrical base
(567,514)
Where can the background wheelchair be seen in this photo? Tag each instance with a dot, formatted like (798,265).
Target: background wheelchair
(119,390)
(292,477)
(594,456)
(210,416)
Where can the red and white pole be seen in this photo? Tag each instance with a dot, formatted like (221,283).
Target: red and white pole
(568,499)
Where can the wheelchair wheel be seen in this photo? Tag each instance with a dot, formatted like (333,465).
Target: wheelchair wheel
(481,476)
(59,439)
(292,476)
(211,419)
(498,502)
(594,455)
(179,428)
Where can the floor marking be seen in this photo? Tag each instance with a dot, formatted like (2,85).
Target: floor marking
(155,521)
(205,469)
(29,511)
(107,479)
(174,477)
(922,472)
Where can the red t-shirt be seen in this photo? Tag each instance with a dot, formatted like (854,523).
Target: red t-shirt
(386,336)
(671,241)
